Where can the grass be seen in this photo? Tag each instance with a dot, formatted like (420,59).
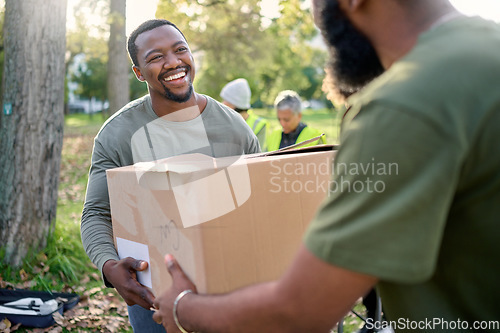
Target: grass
(63,262)
(63,265)
(80,124)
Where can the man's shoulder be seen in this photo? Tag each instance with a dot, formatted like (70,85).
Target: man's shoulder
(447,64)
(128,117)
(214,105)
(217,109)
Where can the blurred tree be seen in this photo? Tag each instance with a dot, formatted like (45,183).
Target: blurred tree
(86,39)
(294,58)
(231,39)
(118,61)
(85,36)
(31,124)
(100,41)
(224,38)
(90,77)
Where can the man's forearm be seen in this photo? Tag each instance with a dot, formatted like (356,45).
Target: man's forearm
(97,239)
(312,296)
(253,309)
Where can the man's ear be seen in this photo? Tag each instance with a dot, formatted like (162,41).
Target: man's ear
(138,73)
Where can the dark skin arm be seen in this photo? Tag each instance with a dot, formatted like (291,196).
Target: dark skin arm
(312,296)
(122,274)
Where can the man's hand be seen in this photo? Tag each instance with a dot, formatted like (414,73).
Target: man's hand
(122,274)
(165,302)
(311,296)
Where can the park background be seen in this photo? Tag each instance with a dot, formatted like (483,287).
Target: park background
(273,44)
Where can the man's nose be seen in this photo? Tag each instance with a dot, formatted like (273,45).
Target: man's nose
(171,61)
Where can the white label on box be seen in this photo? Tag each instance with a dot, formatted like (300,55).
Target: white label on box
(127,248)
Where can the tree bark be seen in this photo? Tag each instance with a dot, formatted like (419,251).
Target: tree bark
(118,61)
(31,124)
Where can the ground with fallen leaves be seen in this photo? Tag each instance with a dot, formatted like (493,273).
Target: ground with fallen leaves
(100,309)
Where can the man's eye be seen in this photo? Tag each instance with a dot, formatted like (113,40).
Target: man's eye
(154,58)
(182,49)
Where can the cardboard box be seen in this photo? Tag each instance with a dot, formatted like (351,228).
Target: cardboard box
(229,221)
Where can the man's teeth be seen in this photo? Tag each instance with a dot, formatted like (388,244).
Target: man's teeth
(176,76)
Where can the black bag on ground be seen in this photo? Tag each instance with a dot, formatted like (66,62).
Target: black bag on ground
(34,308)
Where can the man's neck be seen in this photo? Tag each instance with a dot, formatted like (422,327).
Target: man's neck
(192,108)
(244,114)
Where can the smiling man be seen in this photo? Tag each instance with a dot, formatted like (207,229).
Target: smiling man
(429,240)
(171,120)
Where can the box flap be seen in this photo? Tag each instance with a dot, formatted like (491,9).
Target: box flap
(312,149)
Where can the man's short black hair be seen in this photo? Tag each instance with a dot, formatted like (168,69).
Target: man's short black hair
(146,26)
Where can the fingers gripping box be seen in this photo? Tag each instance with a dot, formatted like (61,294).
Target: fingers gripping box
(229,221)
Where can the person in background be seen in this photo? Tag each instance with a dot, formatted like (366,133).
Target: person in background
(427,234)
(237,94)
(288,107)
(171,120)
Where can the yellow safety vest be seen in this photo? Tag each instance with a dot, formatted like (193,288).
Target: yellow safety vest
(274,140)
(258,124)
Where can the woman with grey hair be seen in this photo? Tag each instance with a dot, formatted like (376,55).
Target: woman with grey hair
(288,107)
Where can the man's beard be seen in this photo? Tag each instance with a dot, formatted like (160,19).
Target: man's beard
(178,97)
(353,61)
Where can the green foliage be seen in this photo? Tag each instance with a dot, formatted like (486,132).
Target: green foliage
(296,64)
(84,37)
(229,40)
(91,79)
(90,40)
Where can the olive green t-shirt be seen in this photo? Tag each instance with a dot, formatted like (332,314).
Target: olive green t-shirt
(415,196)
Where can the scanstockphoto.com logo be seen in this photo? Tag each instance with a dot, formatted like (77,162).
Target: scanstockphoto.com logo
(297,177)
(432,324)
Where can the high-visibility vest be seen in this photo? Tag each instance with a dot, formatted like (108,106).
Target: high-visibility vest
(274,139)
(259,126)
(256,123)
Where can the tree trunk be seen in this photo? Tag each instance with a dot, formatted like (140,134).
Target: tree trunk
(31,124)
(118,61)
